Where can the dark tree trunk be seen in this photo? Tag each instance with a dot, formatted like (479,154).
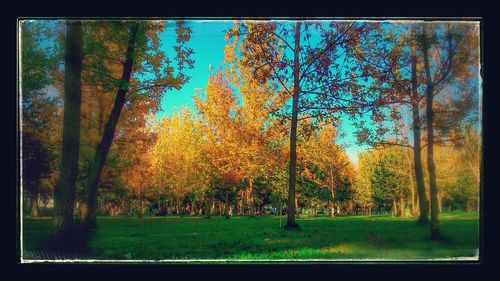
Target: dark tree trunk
(209,205)
(102,150)
(291,224)
(423,204)
(65,190)
(226,205)
(435,233)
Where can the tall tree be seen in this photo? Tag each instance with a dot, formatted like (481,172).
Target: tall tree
(398,60)
(64,193)
(88,218)
(431,166)
(317,72)
(40,110)
(404,64)
(221,130)
(363,191)
(423,203)
(178,159)
(142,55)
(258,126)
(450,59)
(324,153)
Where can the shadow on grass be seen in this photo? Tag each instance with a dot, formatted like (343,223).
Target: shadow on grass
(72,245)
(262,238)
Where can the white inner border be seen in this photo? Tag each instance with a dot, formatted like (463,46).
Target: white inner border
(476,21)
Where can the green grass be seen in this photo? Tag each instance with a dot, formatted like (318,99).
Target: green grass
(354,237)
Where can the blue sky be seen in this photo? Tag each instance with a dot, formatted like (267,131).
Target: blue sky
(208,43)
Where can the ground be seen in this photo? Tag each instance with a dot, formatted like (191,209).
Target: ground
(244,238)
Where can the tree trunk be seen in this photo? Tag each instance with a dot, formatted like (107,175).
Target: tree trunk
(412,186)
(35,196)
(423,204)
(402,206)
(209,207)
(435,233)
(440,203)
(291,224)
(141,214)
(226,205)
(65,190)
(332,190)
(251,198)
(159,205)
(102,150)
(394,213)
(192,211)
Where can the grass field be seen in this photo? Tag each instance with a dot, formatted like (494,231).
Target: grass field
(353,237)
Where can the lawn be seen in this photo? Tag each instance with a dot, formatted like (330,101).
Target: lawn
(243,238)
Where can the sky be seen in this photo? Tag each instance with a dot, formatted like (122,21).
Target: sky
(207,41)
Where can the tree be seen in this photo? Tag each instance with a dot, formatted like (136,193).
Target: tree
(64,193)
(137,171)
(37,164)
(459,189)
(313,72)
(472,152)
(40,110)
(417,154)
(397,61)
(221,128)
(403,65)
(363,192)
(178,161)
(139,51)
(258,126)
(325,154)
(452,48)
(390,182)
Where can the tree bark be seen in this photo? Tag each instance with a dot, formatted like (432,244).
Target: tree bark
(440,203)
(251,198)
(402,206)
(332,190)
(141,213)
(333,205)
(209,204)
(423,204)
(412,186)
(65,190)
(102,150)
(291,224)
(435,232)
(193,206)
(226,205)
(34,203)
(394,207)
